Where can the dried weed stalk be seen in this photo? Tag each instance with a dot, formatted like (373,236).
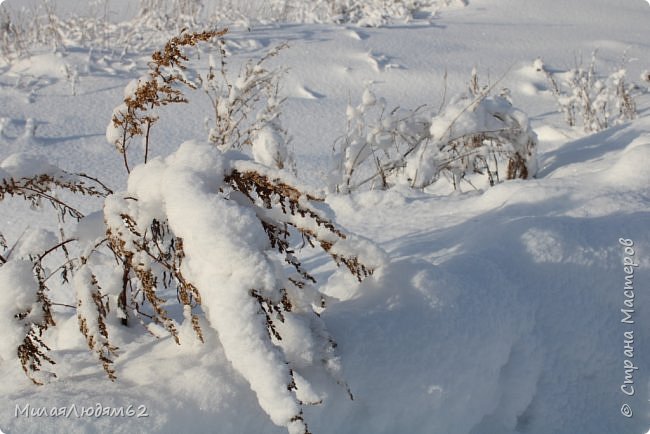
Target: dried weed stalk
(92,310)
(34,351)
(37,189)
(245,105)
(151,260)
(134,117)
(296,212)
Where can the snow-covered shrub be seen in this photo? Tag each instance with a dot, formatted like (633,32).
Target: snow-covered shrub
(157,20)
(597,102)
(25,316)
(212,226)
(226,256)
(474,133)
(42,26)
(367,13)
(39,27)
(26,309)
(375,13)
(12,44)
(247,108)
(51,28)
(168,15)
(375,143)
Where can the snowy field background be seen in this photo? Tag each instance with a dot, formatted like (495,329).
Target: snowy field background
(499,308)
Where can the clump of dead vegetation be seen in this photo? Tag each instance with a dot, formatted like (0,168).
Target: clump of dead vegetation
(143,257)
(589,99)
(475,134)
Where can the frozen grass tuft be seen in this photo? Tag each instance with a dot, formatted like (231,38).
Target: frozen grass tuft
(586,98)
(472,134)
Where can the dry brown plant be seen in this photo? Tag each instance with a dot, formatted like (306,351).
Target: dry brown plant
(134,117)
(34,351)
(150,256)
(38,189)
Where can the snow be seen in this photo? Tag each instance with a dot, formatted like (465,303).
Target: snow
(268,148)
(23,165)
(217,232)
(17,282)
(491,310)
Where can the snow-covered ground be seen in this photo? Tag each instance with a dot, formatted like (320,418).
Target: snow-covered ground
(499,310)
